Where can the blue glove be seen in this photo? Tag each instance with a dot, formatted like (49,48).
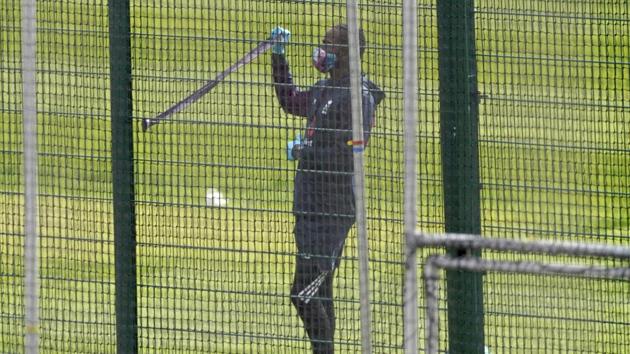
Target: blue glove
(281,38)
(294,148)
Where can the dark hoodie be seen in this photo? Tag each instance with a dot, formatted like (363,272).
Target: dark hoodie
(323,181)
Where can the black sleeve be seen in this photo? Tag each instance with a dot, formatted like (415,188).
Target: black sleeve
(292,100)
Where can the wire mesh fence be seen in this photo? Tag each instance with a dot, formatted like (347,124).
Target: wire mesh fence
(213,199)
(545,314)
(215,209)
(560,325)
(548,128)
(74,199)
(553,121)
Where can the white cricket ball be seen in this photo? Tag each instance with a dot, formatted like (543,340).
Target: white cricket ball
(214,198)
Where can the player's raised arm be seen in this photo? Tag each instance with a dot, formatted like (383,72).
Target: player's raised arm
(291,99)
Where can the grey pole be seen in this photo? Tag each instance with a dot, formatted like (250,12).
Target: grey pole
(410,111)
(29,102)
(359,173)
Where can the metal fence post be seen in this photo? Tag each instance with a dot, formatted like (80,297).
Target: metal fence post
(460,166)
(123,177)
(359,174)
(410,106)
(31,212)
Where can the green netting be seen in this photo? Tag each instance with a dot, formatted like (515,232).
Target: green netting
(11,231)
(228,270)
(75,237)
(214,275)
(554,128)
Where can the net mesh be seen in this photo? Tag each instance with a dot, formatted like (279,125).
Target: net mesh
(553,157)
(549,307)
(214,189)
(553,150)
(11,229)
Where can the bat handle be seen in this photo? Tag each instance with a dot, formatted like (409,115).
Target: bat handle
(146,124)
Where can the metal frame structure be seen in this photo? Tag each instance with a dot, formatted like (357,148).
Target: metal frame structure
(435,263)
(352,11)
(29,96)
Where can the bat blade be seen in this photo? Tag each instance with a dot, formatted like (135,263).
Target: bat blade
(262,47)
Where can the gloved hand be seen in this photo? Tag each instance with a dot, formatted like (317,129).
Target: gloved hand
(296,152)
(294,148)
(281,38)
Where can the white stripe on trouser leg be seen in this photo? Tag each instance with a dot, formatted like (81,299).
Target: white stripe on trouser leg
(312,288)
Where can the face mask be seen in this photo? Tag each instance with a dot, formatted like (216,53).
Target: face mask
(323,60)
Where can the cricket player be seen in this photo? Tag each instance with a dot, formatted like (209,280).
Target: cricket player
(323,202)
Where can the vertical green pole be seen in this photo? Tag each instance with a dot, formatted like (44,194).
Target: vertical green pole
(459,101)
(123,176)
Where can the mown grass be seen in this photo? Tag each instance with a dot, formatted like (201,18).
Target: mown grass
(554,160)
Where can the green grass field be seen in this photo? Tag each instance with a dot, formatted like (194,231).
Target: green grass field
(554,163)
